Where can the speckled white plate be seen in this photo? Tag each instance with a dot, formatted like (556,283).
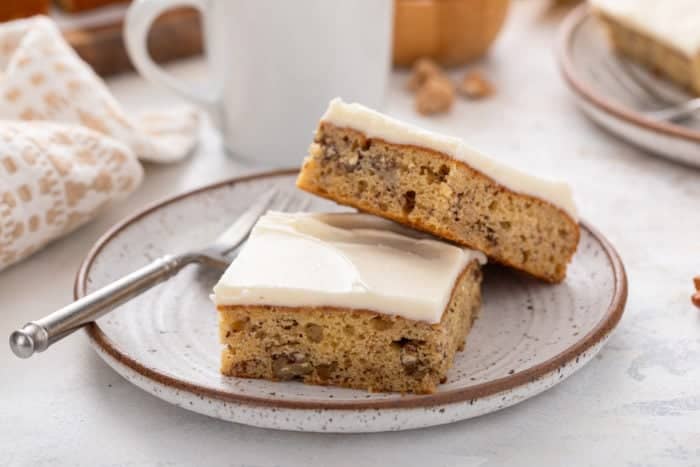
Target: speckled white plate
(529,337)
(615,92)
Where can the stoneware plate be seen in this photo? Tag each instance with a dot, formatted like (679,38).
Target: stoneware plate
(529,337)
(615,93)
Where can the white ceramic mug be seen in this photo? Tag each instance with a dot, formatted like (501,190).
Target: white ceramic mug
(275,64)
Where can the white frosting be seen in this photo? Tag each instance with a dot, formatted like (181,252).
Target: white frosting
(375,125)
(673,22)
(345,260)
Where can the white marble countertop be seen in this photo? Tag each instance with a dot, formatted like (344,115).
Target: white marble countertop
(637,403)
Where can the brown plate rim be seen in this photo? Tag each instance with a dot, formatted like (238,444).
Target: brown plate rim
(599,332)
(570,25)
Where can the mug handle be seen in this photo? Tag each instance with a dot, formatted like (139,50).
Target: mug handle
(138,21)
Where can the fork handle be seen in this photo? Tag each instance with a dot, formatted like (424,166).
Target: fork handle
(678,113)
(39,335)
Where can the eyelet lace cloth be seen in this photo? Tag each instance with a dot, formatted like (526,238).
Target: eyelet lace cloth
(67,148)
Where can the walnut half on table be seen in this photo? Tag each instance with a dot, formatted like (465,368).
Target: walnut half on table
(435,92)
(695,298)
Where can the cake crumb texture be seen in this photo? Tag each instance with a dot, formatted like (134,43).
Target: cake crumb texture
(437,194)
(352,348)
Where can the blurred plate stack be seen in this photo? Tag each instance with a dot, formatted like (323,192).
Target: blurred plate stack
(621,96)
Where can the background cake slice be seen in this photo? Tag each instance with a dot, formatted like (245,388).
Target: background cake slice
(435,183)
(346,299)
(661,35)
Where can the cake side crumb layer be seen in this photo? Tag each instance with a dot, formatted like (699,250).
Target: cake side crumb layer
(440,195)
(352,348)
(378,126)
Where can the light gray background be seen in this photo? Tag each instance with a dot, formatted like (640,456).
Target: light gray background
(637,403)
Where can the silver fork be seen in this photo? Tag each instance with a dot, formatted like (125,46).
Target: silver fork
(37,336)
(642,89)
(676,113)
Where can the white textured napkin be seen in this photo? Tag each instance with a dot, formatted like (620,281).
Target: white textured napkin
(54,178)
(42,78)
(79,151)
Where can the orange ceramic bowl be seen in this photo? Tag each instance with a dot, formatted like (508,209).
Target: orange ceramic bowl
(13,9)
(452,32)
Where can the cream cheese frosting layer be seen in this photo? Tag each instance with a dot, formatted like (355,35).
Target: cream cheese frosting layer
(344,260)
(673,22)
(376,125)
